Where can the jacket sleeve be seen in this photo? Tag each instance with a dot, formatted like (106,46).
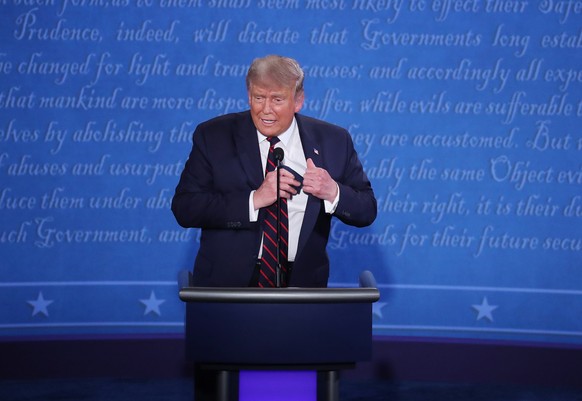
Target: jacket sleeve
(357,203)
(210,193)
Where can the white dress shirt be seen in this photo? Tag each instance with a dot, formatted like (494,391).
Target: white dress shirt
(290,142)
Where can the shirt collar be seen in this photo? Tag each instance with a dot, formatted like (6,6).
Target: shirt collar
(285,137)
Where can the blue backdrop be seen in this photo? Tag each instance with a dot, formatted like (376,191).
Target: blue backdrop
(466,115)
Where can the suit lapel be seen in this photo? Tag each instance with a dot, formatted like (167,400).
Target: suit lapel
(248,149)
(314,205)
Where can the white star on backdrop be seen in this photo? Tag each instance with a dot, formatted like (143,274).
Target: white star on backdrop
(377,309)
(485,310)
(152,304)
(40,305)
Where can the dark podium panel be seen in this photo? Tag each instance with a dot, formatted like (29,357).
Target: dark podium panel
(321,330)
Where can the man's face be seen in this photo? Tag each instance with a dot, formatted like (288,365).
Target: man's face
(273,107)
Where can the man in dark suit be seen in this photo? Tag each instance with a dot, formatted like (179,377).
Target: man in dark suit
(224,189)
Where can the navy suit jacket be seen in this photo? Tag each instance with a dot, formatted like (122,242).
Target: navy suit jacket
(224,166)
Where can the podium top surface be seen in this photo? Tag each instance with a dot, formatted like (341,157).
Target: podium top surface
(279,295)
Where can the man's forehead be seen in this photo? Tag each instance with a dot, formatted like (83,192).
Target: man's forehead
(271,87)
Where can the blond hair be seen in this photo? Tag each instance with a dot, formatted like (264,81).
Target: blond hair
(283,71)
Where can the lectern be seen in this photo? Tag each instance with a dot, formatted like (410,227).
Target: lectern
(277,344)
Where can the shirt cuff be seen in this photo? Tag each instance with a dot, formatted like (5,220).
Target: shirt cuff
(253,214)
(331,206)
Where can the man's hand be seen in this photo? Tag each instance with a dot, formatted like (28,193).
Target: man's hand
(318,182)
(266,194)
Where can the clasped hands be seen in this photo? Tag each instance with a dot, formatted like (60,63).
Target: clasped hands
(316,182)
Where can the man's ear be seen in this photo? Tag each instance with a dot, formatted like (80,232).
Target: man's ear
(299,99)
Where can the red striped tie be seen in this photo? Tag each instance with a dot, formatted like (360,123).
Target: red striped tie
(268,273)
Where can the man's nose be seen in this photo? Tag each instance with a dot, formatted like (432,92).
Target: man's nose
(267,106)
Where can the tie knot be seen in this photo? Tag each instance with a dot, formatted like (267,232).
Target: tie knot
(273,140)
